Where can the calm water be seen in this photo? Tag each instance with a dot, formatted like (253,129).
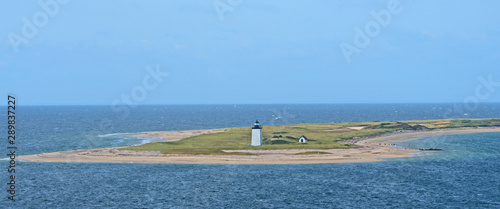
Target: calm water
(465,175)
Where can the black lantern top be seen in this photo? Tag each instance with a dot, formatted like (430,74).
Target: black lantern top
(256,125)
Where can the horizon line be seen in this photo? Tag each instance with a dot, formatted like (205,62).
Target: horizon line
(187,104)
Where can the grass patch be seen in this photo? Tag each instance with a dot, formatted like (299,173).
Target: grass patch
(320,136)
(231,153)
(280,132)
(312,153)
(280,142)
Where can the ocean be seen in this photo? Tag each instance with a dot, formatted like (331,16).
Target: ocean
(465,175)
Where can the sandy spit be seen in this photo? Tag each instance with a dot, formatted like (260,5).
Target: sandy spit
(367,150)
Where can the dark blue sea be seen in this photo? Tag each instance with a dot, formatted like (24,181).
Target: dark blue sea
(465,175)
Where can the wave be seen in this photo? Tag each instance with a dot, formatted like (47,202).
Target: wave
(122,134)
(113,134)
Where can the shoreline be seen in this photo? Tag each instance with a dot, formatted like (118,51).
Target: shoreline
(367,150)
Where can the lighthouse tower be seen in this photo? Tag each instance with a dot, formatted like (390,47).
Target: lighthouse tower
(256,134)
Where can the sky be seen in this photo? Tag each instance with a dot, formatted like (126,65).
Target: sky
(89,52)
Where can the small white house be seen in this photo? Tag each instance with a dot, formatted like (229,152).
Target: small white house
(302,139)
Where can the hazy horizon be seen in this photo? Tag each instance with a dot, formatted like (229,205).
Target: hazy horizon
(250,52)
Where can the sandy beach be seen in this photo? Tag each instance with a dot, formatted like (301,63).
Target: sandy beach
(367,150)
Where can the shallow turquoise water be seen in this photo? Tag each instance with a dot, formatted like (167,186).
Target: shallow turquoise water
(459,146)
(465,175)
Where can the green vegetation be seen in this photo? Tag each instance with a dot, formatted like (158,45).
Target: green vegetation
(320,136)
(312,153)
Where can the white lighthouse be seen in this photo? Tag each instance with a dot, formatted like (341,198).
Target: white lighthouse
(256,134)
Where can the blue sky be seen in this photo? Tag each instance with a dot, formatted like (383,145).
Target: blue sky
(97,52)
